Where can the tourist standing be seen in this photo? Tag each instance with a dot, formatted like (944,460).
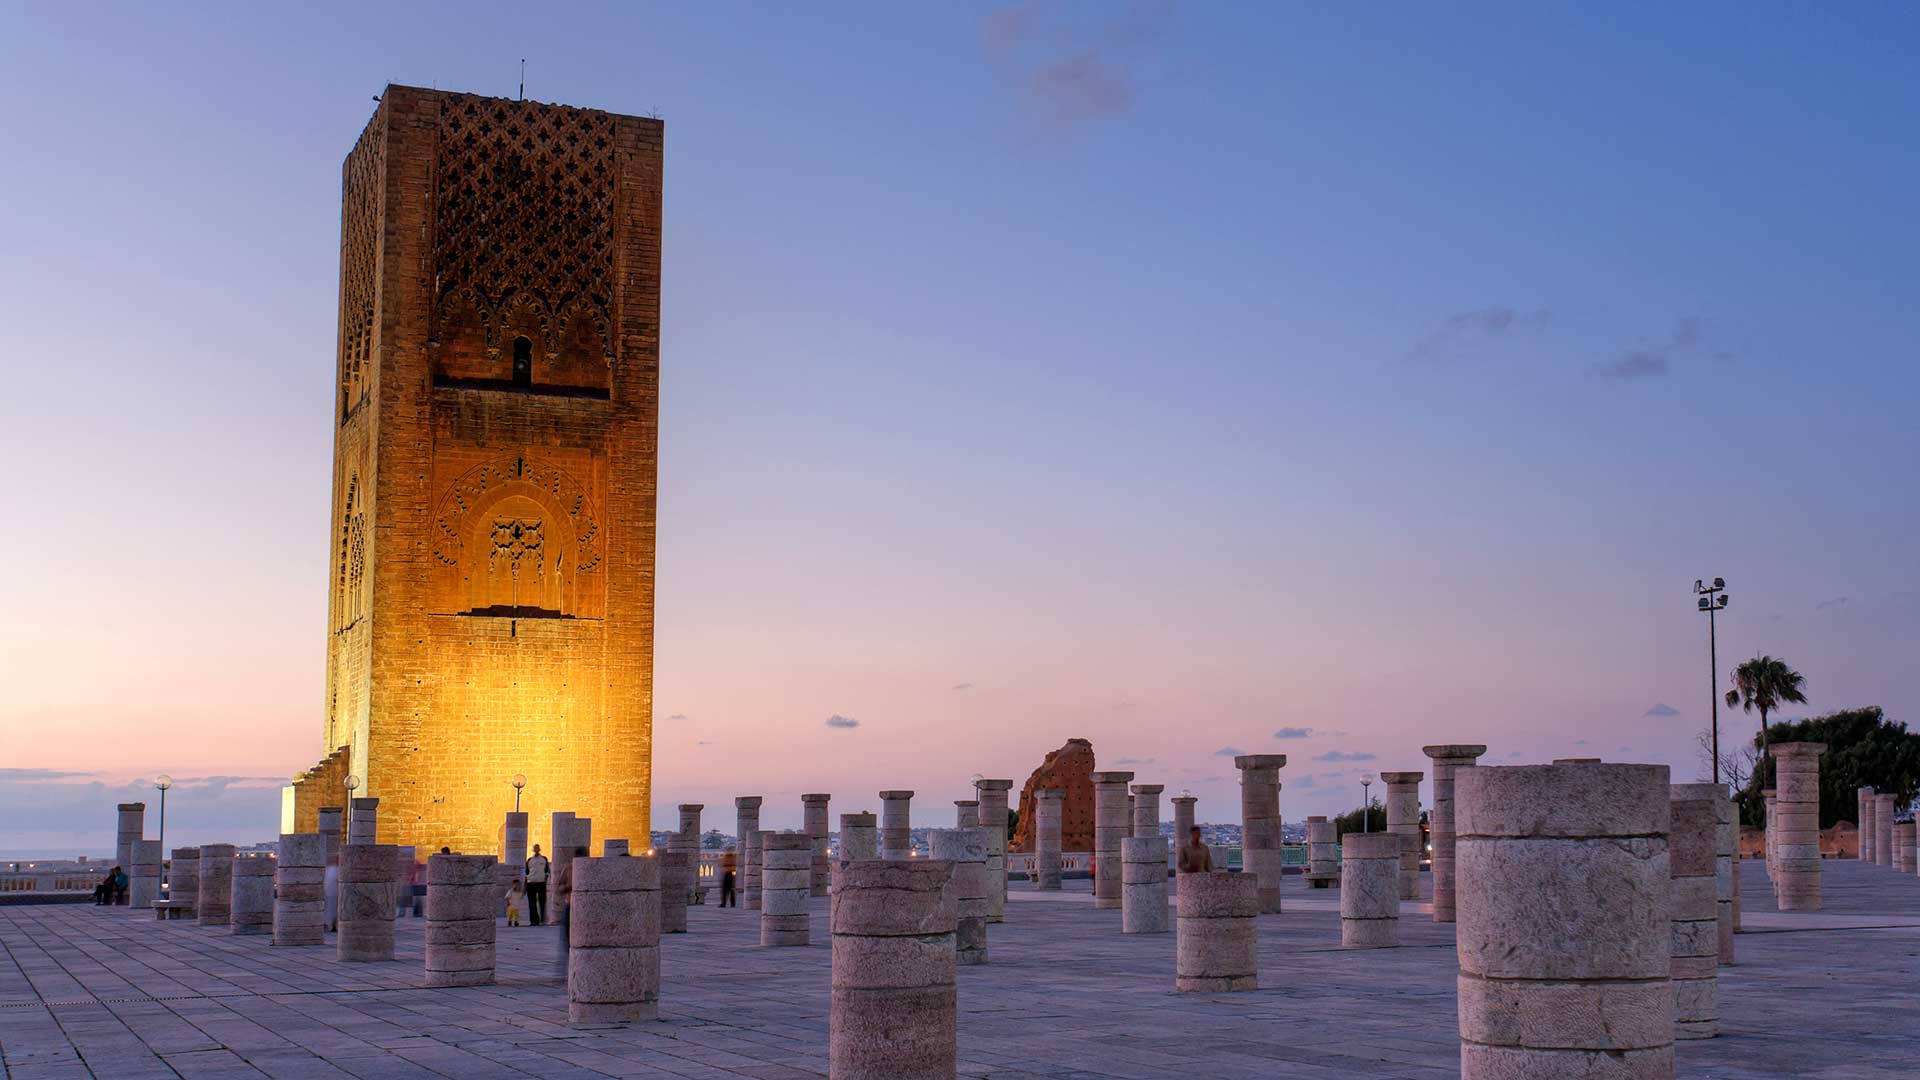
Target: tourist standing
(728,862)
(537,869)
(516,900)
(1194,856)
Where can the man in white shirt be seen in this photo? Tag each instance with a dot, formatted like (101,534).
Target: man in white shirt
(537,869)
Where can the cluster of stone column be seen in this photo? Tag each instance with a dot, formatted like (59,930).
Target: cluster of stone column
(1403,821)
(1369,890)
(613,960)
(1863,819)
(1796,854)
(896,825)
(1047,806)
(1693,898)
(746,814)
(183,878)
(992,795)
(1883,810)
(1323,854)
(300,890)
(215,904)
(250,903)
(461,897)
(966,851)
(1260,853)
(893,1013)
(129,827)
(786,871)
(815,823)
(1447,758)
(1143,884)
(1564,930)
(143,877)
(365,902)
(1214,936)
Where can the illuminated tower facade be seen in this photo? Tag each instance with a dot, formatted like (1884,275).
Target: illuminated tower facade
(495,468)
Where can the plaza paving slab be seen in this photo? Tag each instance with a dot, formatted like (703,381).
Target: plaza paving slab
(103,992)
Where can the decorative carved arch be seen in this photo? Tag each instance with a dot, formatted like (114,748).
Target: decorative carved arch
(572,543)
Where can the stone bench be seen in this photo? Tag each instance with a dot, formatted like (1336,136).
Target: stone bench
(172,909)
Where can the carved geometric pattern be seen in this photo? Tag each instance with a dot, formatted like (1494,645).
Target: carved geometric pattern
(516,540)
(353,558)
(360,210)
(524,210)
(472,490)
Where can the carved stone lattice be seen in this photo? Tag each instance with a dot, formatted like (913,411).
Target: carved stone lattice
(473,490)
(524,212)
(360,215)
(353,558)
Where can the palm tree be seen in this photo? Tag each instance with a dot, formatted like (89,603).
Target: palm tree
(1764,683)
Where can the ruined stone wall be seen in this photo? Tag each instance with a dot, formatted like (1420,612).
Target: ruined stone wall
(1070,769)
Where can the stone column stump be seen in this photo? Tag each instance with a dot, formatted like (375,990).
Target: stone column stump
(1260,824)
(893,1011)
(1446,758)
(1143,885)
(896,825)
(300,890)
(363,821)
(1047,806)
(250,903)
(460,930)
(1111,823)
(814,822)
(366,902)
(676,885)
(332,820)
(966,813)
(1369,890)
(1883,810)
(1903,847)
(1146,809)
(786,873)
(215,905)
(688,840)
(183,878)
(1564,931)
(613,964)
(993,818)
(966,849)
(1214,936)
(746,812)
(1796,854)
(513,856)
(129,827)
(1403,820)
(1863,821)
(143,876)
(1323,853)
(1726,874)
(859,836)
(1693,838)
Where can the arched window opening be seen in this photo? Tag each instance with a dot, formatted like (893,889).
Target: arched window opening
(522,362)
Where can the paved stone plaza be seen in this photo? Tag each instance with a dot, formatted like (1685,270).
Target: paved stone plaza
(88,991)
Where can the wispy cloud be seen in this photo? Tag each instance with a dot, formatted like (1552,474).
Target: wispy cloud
(1652,359)
(1838,601)
(1464,331)
(838,721)
(33,775)
(1661,710)
(963,686)
(1135,761)
(1229,751)
(678,716)
(1293,733)
(1066,72)
(1344,755)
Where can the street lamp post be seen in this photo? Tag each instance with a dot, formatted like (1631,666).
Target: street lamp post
(163,782)
(519,781)
(1712,599)
(1366,802)
(353,783)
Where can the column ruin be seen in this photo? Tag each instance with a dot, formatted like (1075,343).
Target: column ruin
(896,825)
(1369,890)
(300,890)
(859,836)
(815,823)
(1446,758)
(1903,847)
(1323,854)
(676,888)
(966,850)
(893,1012)
(1863,822)
(993,818)
(1214,937)
(365,902)
(143,876)
(1403,821)
(1796,853)
(1110,824)
(1726,873)
(1883,811)
(1146,809)
(462,895)
(1143,885)
(1564,938)
(363,821)
(332,820)
(1693,838)
(129,827)
(786,874)
(746,816)
(966,814)
(183,878)
(1047,805)
(215,905)
(250,903)
(1260,824)
(1183,818)
(513,856)
(613,963)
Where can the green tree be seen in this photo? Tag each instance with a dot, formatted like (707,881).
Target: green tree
(1763,684)
(1863,748)
(1350,821)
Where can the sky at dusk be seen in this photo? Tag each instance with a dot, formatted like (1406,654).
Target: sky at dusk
(1317,380)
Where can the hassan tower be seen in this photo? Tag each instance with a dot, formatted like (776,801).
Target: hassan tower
(495,412)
